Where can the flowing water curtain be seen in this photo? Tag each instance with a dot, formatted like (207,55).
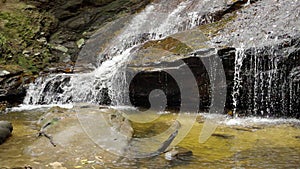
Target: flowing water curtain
(157,21)
(295,88)
(239,58)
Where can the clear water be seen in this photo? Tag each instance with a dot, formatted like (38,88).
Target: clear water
(237,143)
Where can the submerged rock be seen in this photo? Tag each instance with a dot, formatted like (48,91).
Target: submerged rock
(6,129)
(178,154)
(224,136)
(57,165)
(87,131)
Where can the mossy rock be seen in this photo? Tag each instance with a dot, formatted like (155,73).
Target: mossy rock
(169,44)
(12,69)
(20,29)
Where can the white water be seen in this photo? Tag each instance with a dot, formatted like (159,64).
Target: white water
(252,121)
(238,62)
(266,23)
(156,21)
(27,107)
(248,121)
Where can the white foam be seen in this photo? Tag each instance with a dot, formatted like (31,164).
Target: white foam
(123,108)
(24,107)
(258,121)
(248,121)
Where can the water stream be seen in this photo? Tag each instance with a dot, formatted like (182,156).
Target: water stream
(237,143)
(262,84)
(266,82)
(156,21)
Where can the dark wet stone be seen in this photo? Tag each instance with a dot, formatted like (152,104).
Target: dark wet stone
(224,136)
(5,130)
(248,129)
(178,153)
(284,91)
(76,17)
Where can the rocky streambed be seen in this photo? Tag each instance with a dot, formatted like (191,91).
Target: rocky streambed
(55,138)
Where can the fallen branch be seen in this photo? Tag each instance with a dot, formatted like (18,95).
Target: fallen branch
(43,133)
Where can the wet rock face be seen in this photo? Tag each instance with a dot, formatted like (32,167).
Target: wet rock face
(269,81)
(78,19)
(12,85)
(147,80)
(5,130)
(52,43)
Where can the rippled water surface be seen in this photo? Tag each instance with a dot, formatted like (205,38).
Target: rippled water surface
(236,143)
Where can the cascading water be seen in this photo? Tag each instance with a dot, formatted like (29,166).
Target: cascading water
(262,82)
(265,82)
(295,87)
(156,21)
(239,56)
(264,35)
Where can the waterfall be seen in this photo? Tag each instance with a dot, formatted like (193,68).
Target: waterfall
(107,83)
(266,75)
(238,62)
(266,81)
(294,89)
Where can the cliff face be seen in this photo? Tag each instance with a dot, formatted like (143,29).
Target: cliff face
(46,36)
(264,90)
(260,57)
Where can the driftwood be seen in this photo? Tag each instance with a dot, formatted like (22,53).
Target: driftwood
(43,133)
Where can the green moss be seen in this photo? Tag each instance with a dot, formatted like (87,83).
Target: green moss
(27,64)
(3,42)
(212,29)
(2,39)
(169,44)
(19,30)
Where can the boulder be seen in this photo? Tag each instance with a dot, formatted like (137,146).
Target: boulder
(5,130)
(13,82)
(178,153)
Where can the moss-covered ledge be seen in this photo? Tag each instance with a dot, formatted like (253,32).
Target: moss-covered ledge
(46,36)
